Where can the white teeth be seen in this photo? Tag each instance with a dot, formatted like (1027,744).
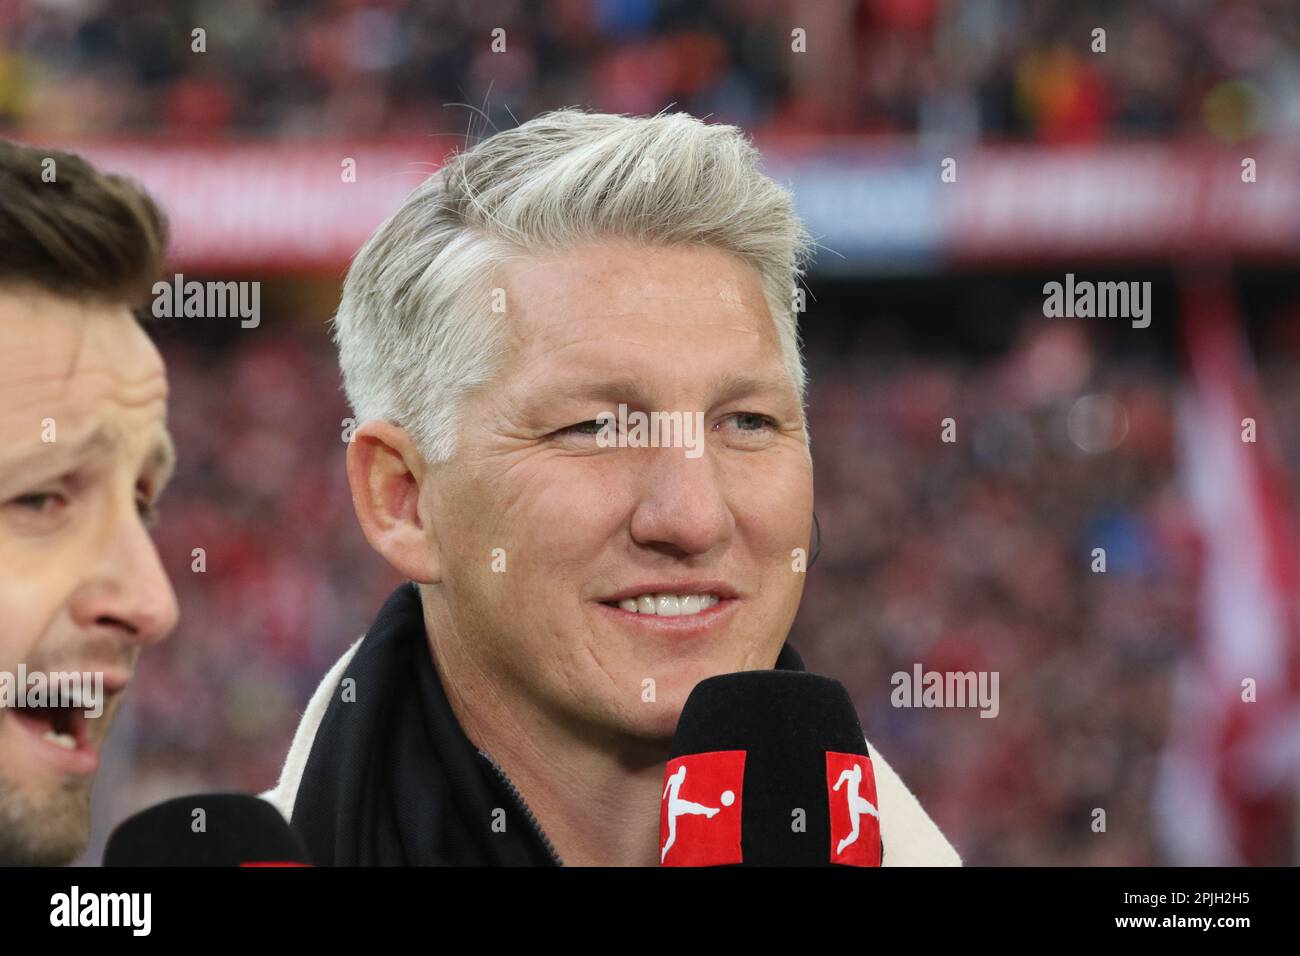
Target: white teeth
(669,605)
(66,741)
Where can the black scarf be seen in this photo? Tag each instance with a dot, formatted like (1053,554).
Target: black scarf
(392,780)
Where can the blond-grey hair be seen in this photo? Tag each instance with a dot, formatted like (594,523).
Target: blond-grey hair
(415,331)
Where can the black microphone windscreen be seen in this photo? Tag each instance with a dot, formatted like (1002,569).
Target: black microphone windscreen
(798,732)
(215,829)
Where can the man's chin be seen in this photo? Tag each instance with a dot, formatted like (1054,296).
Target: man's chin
(653,706)
(43,829)
(655,719)
(658,722)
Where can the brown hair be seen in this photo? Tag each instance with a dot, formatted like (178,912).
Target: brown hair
(86,234)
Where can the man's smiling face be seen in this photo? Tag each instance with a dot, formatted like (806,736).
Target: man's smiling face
(677,329)
(81,586)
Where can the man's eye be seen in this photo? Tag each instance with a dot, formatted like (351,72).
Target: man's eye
(759,421)
(40,502)
(752,423)
(592,427)
(746,422)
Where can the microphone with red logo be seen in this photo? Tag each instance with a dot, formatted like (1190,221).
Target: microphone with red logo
(215,829)
(769,768)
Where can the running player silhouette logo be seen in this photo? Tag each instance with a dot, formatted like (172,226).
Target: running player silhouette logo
(857,806)
(699,812)
(855,819)
(677,806)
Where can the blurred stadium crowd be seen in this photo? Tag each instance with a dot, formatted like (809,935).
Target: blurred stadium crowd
(981,68)
(976,556)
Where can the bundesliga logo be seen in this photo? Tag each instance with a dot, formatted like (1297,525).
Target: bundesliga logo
(701,811)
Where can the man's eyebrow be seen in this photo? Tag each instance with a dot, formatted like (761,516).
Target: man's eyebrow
(588,390)
(98,441)
(730,386)
(161,457)
(735,385)
(61,454)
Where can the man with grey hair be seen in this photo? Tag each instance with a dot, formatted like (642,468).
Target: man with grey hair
(515,701)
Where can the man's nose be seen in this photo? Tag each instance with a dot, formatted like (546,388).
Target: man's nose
(127,590)
(682,501)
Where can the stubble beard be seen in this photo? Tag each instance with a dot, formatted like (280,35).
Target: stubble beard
(43,830)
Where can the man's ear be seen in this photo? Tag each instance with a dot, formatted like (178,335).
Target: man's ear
(386,472)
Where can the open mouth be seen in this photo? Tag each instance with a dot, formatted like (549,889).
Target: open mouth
(62,734)
(64,727)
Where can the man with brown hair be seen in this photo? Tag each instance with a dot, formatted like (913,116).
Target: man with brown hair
(84,455)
